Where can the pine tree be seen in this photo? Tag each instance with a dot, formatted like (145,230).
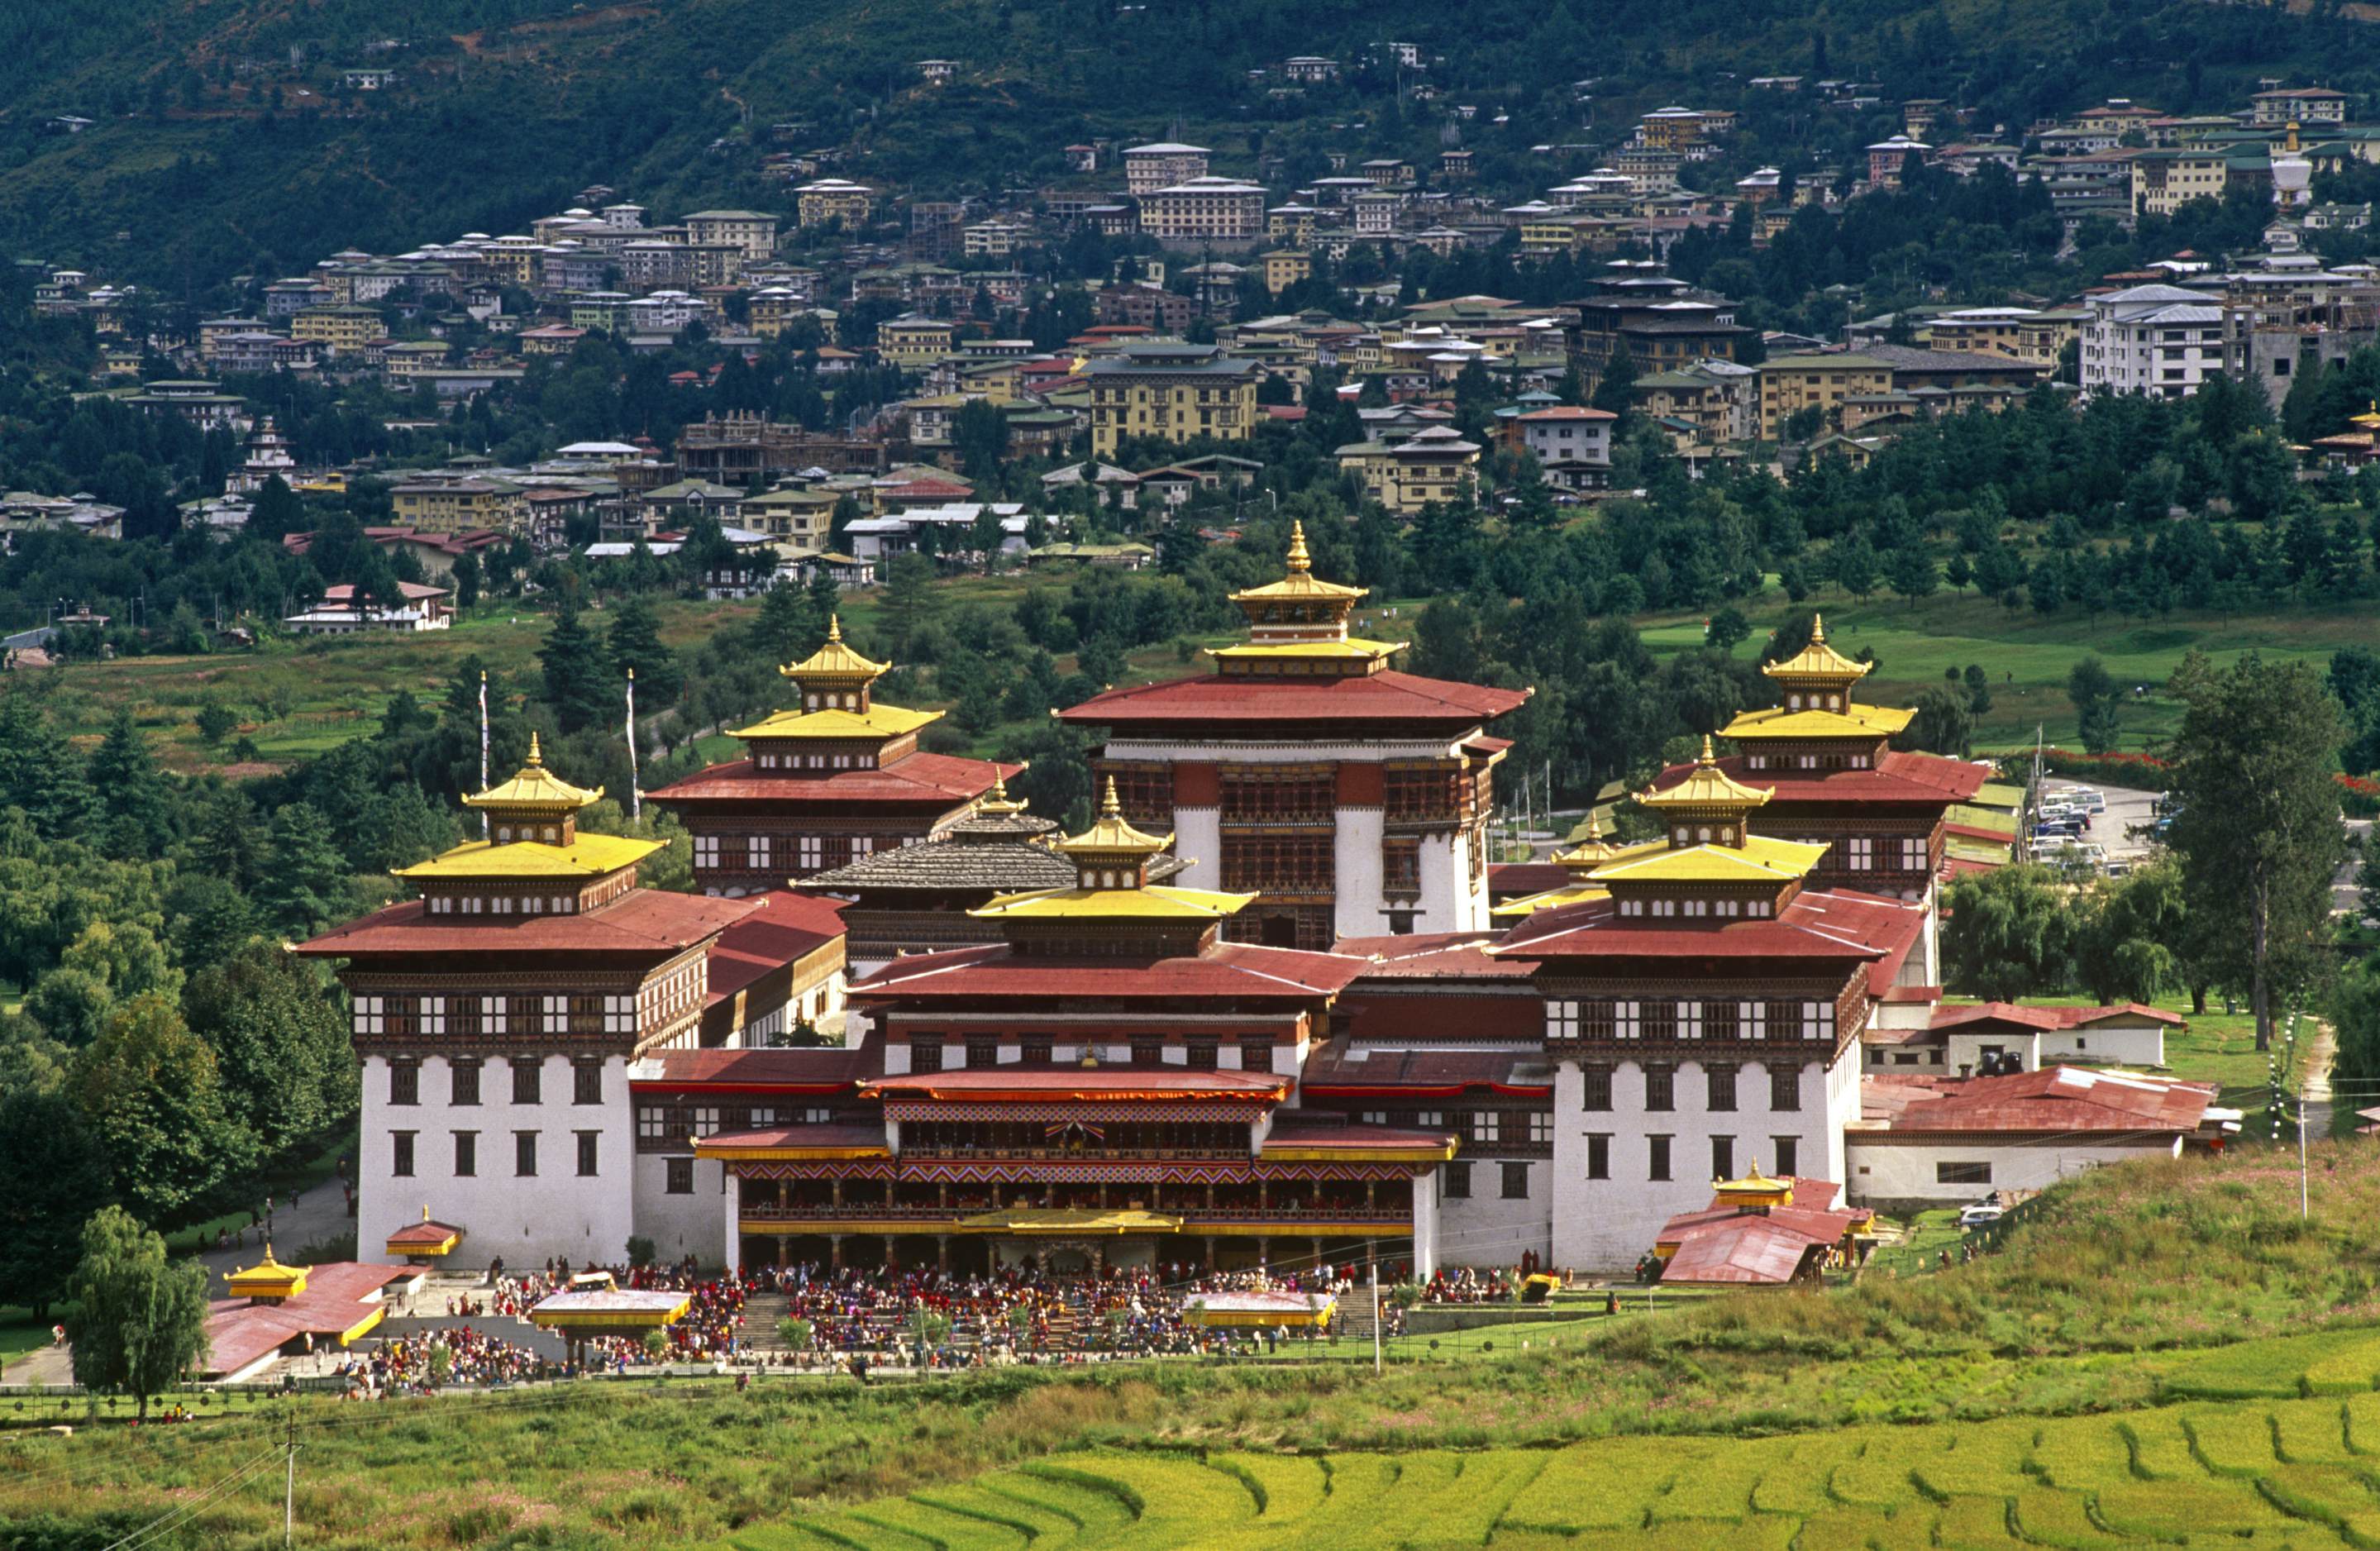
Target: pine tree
(634,642)
(574,670)
(305,886)
(783,626)
(132,792)
(40,771)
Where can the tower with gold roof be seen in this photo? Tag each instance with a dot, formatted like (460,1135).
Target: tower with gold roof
(1884,815)
(1349,797)
(836,777)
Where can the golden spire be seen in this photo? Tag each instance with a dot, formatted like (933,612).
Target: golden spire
(998,802)
(1110,836)
(536,755)
(1299,559)
(834,665)
(1818,630)
(533,793)
(1708,791)
(1588,854)
(834,627)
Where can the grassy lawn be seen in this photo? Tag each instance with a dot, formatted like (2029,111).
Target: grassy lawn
(20,1333)
(1925,1236)
(2028,657)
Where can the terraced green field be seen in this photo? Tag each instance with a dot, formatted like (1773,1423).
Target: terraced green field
(2296,1473)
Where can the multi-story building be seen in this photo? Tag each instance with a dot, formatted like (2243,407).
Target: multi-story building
(913,342)
(1432,465)
(2151,339)
(1704,1000)
(1564,434)
(1284,267)
(1173,391)
(838,777)
(1205,210)
(1789,384)
(342,331)
(1162,1128)
(1887,158)
(1659,323)
(1352,796)
(497,1014)
(752,233)
(2164,180)
(1714,400)
(2297,104)
(1162,164)
(1836,780)
(829,200)
(461,505)
(1143,306)
(1670,128)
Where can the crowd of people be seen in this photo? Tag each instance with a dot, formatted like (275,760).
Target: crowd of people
(425,1362)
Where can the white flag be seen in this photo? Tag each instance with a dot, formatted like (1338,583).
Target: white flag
(636,796)
(483,748)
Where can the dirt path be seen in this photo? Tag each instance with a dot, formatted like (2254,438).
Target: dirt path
(2313,1079)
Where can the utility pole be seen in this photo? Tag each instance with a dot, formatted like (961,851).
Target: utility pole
(2304,1206)
(289,1487)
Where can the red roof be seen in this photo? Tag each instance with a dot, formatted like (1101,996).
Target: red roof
(1724,1243)
(1227,970)
(1839,924)
(337,1298)
(2044,1018)
(1926,779)
(941,779)
(2060,1100)
(1102,1084)
(425,1232)
(823,1070)
(640,922)
(1512,880)
(1387,696)
(789,927)
(1361,1071)
(1432,957)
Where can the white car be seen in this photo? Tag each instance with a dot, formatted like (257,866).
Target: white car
(1980,1216)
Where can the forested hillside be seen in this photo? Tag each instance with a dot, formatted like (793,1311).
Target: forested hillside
(222,140)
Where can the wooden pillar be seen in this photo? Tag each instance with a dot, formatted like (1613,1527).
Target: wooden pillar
(780,1195)
(834,1251)
(942,1254)
(1264,1249)
(942,1195)
(1103,1195)
(1264,1195)
(1371,1196)
(1210,1195)
(1209,1264)
(784,1250)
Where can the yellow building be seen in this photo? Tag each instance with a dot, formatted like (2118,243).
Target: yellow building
(834,199)
(2165,180)
(1792,383)
(1436,465)
(913,341)
(461,505)
(1171,392)
(796,521)
(1284,267)
(342,331)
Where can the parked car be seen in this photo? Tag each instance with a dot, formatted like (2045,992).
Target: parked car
(1980,1216)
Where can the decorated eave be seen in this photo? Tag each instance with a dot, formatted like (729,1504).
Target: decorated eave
(1085,1085)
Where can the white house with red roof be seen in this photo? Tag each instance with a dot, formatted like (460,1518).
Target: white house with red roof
(1989,1038)
(1922,1141)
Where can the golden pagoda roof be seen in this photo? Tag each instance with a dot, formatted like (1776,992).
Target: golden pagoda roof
(1584,856)
(878,722)
(1758,859)
(1818,661)
(534,790)
(1756,1183)
(1853,721)
(2371,416)
(1150,902)
(1301,584)
(834,659)
(585,857)
(1708,788)
(1110,835)
(268,1279)
(1350,647)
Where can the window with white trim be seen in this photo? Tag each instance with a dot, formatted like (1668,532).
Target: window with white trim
(619,1014)
(1627,1020)
(706,851)
(1914,854)
(652,1122)
(1690,1020)
(812,849)
(1859,853)
(1752,1019)
(557,1014)
(706,1121)
(1817,1019)
(1561,1020)
(1541,1127)
(433,1014)
(755,850)
(492,1014)
(370,1014)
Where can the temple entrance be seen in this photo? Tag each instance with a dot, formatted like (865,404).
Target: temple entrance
(1066,1261)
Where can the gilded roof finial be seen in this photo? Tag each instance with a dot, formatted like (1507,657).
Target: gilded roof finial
(1710,760)
(535,756)
(1111,807)
(834,627)
(1818,630)
(1299,559)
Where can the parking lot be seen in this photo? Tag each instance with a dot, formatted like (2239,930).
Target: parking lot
(2128,809)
